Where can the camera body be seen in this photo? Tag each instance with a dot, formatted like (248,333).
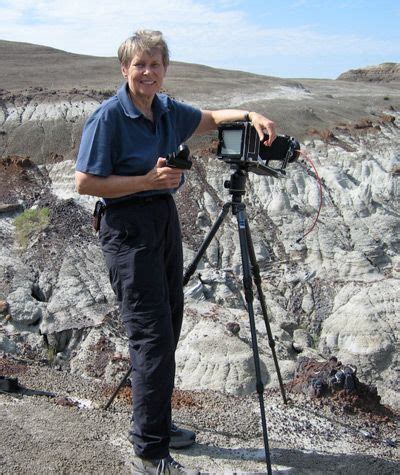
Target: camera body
(239,144)
(180,158)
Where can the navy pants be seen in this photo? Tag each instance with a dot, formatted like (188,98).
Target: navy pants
(141,242)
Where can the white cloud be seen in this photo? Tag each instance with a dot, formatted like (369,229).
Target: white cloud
(205,32)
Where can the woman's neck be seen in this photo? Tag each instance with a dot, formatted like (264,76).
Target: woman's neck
(143,104)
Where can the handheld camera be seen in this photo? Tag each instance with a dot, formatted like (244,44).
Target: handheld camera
(180,158)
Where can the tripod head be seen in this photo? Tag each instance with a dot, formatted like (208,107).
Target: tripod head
(237,182)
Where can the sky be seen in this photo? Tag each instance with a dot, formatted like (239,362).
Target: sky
(285,38)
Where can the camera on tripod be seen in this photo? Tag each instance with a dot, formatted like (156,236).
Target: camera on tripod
(239,143)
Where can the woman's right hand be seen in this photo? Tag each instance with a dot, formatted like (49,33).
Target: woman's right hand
(161,176)
(116,186)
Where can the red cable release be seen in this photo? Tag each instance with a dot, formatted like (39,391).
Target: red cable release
(303,154)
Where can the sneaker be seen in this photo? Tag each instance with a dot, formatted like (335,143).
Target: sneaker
(166,465)
(180,438)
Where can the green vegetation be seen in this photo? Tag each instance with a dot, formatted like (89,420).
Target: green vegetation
(386,98)
(30,222)
(51,352)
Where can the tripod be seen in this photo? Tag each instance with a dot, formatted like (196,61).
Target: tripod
(236,186)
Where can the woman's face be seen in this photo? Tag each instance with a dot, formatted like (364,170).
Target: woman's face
(145,74)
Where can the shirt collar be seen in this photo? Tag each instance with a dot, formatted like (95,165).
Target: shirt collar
(159,105)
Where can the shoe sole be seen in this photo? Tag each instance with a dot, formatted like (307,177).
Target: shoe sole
(181,445)
(173,445)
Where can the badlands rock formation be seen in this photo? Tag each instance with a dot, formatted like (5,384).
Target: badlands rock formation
(335,292)
(386,72)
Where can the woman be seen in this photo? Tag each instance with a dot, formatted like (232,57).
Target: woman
(121,159)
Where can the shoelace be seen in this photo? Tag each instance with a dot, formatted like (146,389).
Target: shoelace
(176,465)
(161,467)
(164,463)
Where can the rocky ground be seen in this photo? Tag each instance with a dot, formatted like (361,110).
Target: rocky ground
(72,433)
(335,292)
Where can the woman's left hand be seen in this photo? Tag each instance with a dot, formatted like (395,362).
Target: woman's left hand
(263,126)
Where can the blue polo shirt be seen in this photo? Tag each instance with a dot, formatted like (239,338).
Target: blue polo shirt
(118,139)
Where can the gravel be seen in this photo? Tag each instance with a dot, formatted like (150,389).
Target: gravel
(72,433)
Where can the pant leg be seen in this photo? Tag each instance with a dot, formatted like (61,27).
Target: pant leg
(136,243)
(174,270)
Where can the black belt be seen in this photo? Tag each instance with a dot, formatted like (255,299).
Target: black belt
(100,208)
(137,200)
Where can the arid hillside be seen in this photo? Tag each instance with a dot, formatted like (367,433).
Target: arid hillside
(40,85)
(326,238)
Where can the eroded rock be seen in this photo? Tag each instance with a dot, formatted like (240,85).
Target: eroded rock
(338,284)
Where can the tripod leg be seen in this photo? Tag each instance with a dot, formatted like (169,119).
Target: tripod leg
(122,382)
(193,265)
(247,283)
(257,280)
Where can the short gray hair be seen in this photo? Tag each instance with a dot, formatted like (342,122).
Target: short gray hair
(143,41)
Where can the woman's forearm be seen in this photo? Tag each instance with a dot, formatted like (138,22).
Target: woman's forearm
(112,186)
(115,186)
(210,120)
(230,115)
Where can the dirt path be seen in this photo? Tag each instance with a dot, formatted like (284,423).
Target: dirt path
(41,435)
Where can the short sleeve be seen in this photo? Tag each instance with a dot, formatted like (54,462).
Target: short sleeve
(187,120)
(96,150)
